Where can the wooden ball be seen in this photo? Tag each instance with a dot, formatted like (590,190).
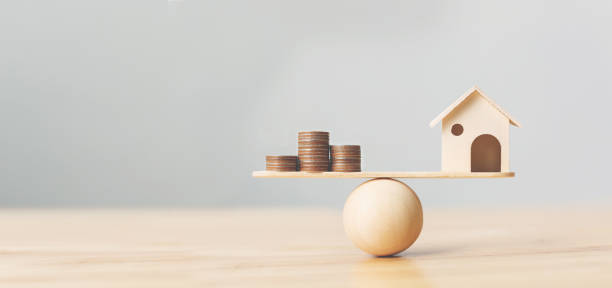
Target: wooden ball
(383,217)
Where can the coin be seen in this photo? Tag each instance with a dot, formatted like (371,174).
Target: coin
(313,133)
(313,151)
(345,158)
(346,147)
(282,163)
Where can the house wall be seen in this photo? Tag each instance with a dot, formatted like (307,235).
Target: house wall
(477,117)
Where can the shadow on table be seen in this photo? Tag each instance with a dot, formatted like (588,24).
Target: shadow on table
(437,251)
(388,272)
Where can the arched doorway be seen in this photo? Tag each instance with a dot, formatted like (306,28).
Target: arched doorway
(486,154)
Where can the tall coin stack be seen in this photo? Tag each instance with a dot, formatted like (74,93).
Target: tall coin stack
(281,163)
(313,151)
(346,158)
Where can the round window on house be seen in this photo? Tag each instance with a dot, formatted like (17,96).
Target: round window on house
(457,129)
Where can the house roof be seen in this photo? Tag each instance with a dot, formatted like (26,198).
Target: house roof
(461,99)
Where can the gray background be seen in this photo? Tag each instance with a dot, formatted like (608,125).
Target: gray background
(155,103)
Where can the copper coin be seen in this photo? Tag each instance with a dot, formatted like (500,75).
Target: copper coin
(314,156)
(309,139)
(313,133)
(345,153)
(318,168)
(313,143)
(307,148)
(313,138)
(346,147)
(304,135)
(308,143)
(313,148)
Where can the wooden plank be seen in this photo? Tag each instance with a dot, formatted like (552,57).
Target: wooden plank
(374,174)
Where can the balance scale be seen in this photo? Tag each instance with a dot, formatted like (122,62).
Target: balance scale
(383,216)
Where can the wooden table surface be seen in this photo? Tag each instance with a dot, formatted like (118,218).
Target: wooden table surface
(552,247)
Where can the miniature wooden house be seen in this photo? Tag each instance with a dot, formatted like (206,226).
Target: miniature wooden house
(475,134)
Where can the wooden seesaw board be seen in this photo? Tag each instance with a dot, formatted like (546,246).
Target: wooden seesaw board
(374,174)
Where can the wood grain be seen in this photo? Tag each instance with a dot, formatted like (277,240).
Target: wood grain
(569,247)
(374,174)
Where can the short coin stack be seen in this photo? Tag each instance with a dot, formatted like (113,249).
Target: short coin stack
(281,163)
(313,151)
(346,158)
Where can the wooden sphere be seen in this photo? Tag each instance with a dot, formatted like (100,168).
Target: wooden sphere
(383,216)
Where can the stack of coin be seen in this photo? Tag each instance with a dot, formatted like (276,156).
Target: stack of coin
(346,158)
(313,151)
(281,163)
